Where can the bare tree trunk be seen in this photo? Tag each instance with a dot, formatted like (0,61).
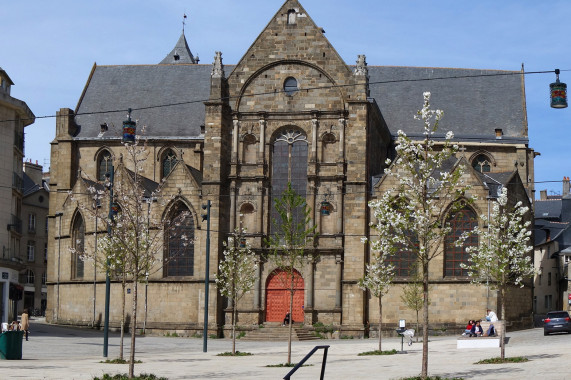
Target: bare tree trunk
(417,329)
(122,319)
(290,322)
(133,331)
(424,372)
(380,321)
(503,317)
(234,317)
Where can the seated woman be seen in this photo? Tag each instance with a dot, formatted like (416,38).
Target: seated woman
(477,330)
(468,329)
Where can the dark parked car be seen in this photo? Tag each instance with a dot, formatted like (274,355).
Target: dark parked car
(556,321)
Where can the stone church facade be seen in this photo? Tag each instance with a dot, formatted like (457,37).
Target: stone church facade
(291,110)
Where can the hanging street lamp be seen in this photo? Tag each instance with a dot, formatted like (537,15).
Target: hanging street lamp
(558,92)
(129,130)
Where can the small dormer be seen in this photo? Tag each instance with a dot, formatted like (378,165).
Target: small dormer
(5,82)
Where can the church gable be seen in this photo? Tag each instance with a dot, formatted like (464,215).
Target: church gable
(291,54)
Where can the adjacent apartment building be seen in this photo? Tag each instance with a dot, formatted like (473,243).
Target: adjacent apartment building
(15,115)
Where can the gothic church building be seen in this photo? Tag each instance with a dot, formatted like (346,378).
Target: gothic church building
(291,110)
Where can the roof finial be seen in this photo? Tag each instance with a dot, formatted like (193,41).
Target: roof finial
(183,22)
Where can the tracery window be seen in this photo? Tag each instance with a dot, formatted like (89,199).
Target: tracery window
(289,165)
(168,161)
(180,242)
(104,164)
(78,244)
(462,221)
(481,163)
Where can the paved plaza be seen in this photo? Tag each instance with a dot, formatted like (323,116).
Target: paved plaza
(55,352)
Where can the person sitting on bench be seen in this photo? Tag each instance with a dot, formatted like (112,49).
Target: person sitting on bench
(477,330)
(491,317)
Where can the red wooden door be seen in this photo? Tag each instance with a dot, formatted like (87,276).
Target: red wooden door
(277,296)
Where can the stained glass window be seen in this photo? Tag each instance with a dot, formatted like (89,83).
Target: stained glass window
(481,163)
(289,164)
(462,221)
(404,259)
(78,236)
(180,246)
(104,165)
(168,162)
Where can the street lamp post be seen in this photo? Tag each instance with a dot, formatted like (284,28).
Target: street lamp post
(107,279)
(206,276)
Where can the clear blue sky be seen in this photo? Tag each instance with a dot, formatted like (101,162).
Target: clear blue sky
(49,47)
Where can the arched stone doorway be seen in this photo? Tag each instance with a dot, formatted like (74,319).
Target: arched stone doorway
(278,296)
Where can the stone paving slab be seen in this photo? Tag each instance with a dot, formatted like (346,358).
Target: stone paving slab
(55,352)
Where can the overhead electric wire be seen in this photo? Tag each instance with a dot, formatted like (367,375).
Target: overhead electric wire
(507,73)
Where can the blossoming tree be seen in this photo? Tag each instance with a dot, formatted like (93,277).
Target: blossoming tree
(134,247)
(503,256)
(378,277)
(411,215)
(236,274)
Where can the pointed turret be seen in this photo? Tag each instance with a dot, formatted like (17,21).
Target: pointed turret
(181,53)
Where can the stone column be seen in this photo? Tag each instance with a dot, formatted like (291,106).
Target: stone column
(262,147)
(310,283)
(338,278)
(339,201)
(257,284)
(311,204)
(235,132)
(260,210)
(314,125)
(232,206)
(342,138)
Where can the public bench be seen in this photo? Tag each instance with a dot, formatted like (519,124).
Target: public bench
(482,341)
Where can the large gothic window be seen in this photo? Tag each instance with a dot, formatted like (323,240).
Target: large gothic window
(462,221)
(289,165)
(104,163)
(404,259)
(168,161)
(180,242)
(78,244)
(481,163)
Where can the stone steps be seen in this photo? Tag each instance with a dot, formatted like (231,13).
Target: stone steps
(277,332)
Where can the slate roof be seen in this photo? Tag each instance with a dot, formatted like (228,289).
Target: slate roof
(473,107)
(123,87)
(549,209)
(495,181)
(149,186)
(31,187)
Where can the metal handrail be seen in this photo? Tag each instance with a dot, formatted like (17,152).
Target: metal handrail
(325,348)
